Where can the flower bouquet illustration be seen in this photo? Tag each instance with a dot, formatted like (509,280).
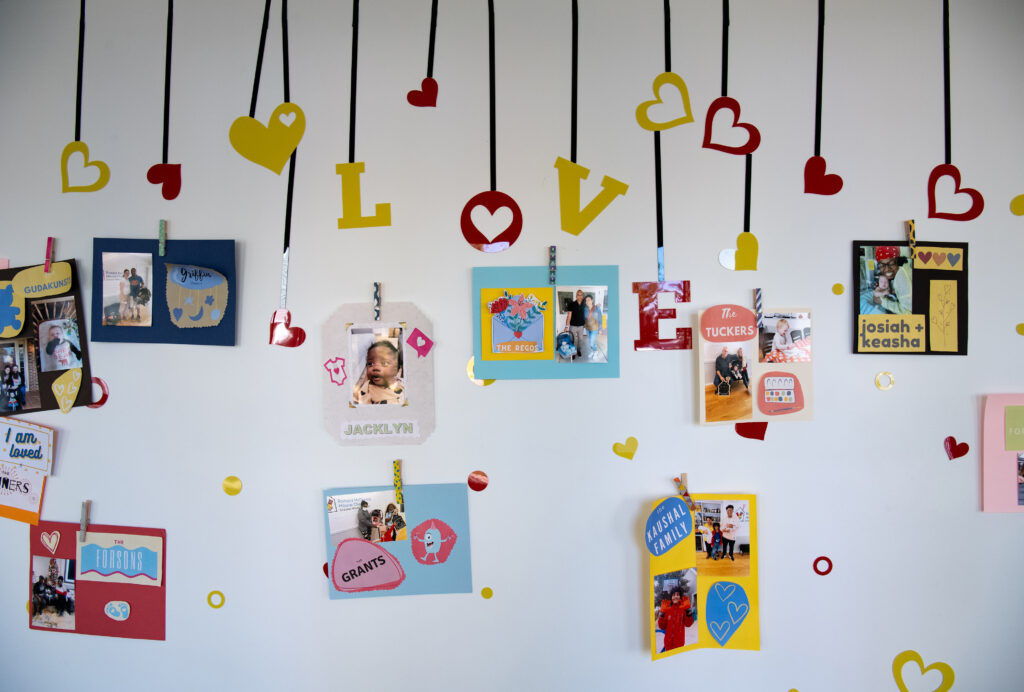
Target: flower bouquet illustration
(517,323)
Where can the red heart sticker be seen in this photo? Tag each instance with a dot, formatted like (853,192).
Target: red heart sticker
(977,201)
(954,450)
(753,136)
(816,181)
(425,96)
(491,201)
(752,431)
(282,334)
(168,175)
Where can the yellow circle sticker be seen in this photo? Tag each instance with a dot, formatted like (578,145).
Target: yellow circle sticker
(215,596)
(232,485)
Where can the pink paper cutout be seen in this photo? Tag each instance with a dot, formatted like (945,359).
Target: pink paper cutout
(336,369)
(360,565)
(432,542)
(998,466)
(419,342)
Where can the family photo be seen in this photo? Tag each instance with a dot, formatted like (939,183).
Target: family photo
(60,346)
(53,593)
(785,338)
(1020,478)
(675,609)
(727,380)
(127,277)
(19,378)
(885,280)
(372,516)
(581,324)
(722,533)
(377,365)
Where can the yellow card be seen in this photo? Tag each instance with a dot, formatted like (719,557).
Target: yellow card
(517,323)
(942,315)
(891,333)
(32,282)
(948,258)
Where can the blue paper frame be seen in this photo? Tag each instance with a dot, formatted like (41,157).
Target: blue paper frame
(448,502)
(501,277)
(218,255)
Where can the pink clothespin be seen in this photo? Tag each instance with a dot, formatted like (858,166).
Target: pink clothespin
(49,254)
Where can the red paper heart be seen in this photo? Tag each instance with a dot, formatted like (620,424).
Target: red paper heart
(492,201)
(517,334)
(282,334)
(954,450)
(753,138)
(977,201)
(425,96)
(925,256)
(753,431)
(816,181)
(168,175)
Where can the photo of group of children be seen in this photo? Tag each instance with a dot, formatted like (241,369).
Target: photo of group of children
(53,593)
(723,534)
(377,356)
(581,324)
(127,277)
(372,516)
(675,609)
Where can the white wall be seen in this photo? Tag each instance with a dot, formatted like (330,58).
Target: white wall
(556,535)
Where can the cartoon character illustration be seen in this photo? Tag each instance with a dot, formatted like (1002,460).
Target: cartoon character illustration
(433,541)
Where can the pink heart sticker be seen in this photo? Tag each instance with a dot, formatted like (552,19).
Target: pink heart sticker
(360,565)
(420,342)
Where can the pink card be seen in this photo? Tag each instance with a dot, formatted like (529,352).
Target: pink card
(112,584)
(1002,454)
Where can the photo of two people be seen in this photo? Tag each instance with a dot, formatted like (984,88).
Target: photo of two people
(581,323)
(127,277)
(372,516)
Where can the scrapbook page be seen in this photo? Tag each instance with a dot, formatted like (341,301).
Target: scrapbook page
(1002,455)
(26,459)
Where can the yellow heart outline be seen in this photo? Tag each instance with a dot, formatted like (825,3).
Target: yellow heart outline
(627,450)
(272,144)
(83,149)
(904,657)
(660,81)
(69,383)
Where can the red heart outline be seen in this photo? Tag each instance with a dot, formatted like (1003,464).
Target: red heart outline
(954,450)
(425,96)
(282,334)
(816,181)
(492,201)
(754,140)
(977,201)
(752,431)
(168,175)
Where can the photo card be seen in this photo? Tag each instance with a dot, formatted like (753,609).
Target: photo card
(675,609)
(26,459)
(374,516)
(910,302)
(127,296)
(378,350)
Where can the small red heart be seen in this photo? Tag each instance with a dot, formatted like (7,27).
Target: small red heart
(492,201)
(977,201)
(168,175)
(325,571)
(752,431)
(517,334)
(925,256)
(282,334)
(954,450)
(425,96)
(816,181)
(753,138)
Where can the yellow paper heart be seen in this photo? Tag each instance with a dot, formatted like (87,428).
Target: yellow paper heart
(83,149)
(626,450)
(910,655)
(269,146)
(674,80)
(65,388)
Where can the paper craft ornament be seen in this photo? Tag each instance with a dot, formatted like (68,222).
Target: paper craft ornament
(282,333)
(168,177)
(817,182)
(425,96)
(102,170)
(491,221)
(905,657)
(196,296)
(977,201)
(360,565)
(26,459)
(727,608)
(743,257)
(352,203)
(432,542)
(657,114)
(626,450)
(570,179)
(730,104)
(269,145)
(650,314)
(953,449)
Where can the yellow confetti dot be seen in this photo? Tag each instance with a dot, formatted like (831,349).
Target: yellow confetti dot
(28,606)
(472,377)
(486,592)
(1017,205)
(838,289)
(232,485)
(885,380)
(1020,328)
(215,596)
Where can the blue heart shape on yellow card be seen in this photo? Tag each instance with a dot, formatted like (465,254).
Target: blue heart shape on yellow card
(727,608)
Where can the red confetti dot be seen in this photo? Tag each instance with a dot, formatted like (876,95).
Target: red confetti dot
(828,566)
(477,480)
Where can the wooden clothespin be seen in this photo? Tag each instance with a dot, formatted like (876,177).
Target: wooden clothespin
(85,521)
(911,238)
(161,245)
(552,266)
(376,301)
(759,307)
(49,254)
(684,491)
(399,496)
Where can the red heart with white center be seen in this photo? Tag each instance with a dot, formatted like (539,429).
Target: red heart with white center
(500,217)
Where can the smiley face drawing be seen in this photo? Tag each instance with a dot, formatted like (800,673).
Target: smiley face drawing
(432,542)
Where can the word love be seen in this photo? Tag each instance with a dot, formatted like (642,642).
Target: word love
(24,438)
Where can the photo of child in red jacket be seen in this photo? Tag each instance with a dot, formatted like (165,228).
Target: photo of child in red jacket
(675,618)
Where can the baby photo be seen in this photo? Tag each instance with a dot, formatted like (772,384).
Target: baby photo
(59,342)
(722,532)
(53,593)
(675,609)
(127,277)
(785,338)
(727,380)
(581,324)
(376,353)
(372,516)
(885,280)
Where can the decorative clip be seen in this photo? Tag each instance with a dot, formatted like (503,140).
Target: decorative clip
(49,254)
(376,301)
(759,307)
(684,491)
(163,237)
(552,266)
(399,498)
(85,521)
(911,238)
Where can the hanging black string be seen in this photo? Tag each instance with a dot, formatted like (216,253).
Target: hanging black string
(352,84)
(658,215)
(746,194)
(725,47)
(287,98)
(945,66)
(81,64)
(575,77)
(259,60)
(167,78)
(433,33)
(821,62)
(490,38)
